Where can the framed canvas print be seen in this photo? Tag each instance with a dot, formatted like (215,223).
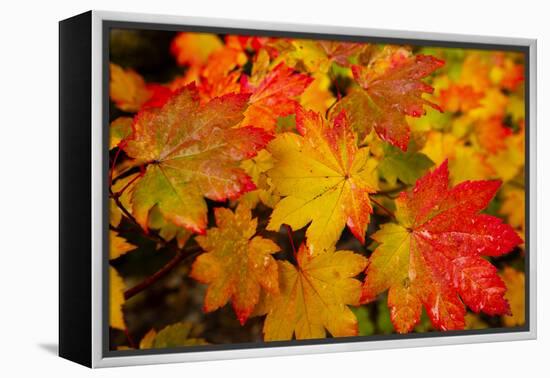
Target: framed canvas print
(234,189)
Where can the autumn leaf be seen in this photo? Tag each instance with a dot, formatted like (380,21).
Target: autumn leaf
(459,98)
(465,162)
(118,246)
(191,151)
(257,168)
(129,91)
(509,161)
(513,207)
(491,134)
(515,282)
(274,96)
(493,104)
(167,230)
(236,264)
(317,96)
(116,300)
(215,71)
(386,98)
(119,129)
(405,166)
(127,88)
(341,52)
(356,105)
(172,336)
(324,178)
(195,48)
(432,256)
(115,213)
(507,73)
(316,56)
(314,296)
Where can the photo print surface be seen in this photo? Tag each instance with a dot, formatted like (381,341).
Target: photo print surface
(279,190)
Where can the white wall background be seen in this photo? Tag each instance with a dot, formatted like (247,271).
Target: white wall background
(29,189)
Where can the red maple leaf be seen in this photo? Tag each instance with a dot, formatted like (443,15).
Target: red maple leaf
(433,258)
(274,96)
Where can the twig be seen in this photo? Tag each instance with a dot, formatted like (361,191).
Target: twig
(119,193)
(178,257)
(113,164)
(127,214)
(147,282)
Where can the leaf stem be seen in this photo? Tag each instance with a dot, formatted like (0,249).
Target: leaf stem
(119,193)
(291,238)
(113,164)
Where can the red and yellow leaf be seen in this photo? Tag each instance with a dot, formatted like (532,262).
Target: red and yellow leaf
(195,48)
(190,151)
(325,180)
(236,264)
(459,98)
(386,98)
(274,97)
(432,257)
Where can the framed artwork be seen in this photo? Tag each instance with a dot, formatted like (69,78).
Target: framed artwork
(233,189)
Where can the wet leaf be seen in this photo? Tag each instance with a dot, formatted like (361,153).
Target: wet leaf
(191,151)
(432,256)
(324,178)
(386,98)
(314,296)
(236,265)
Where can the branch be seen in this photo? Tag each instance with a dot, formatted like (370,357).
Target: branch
(178,257)
(126,213)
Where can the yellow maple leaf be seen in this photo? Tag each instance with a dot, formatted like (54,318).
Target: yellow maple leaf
(513,207)
(465,162)
(127,88)
(508,162)
(515,282)
(314,296)
(317,96)
(324,179)
(256,168)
